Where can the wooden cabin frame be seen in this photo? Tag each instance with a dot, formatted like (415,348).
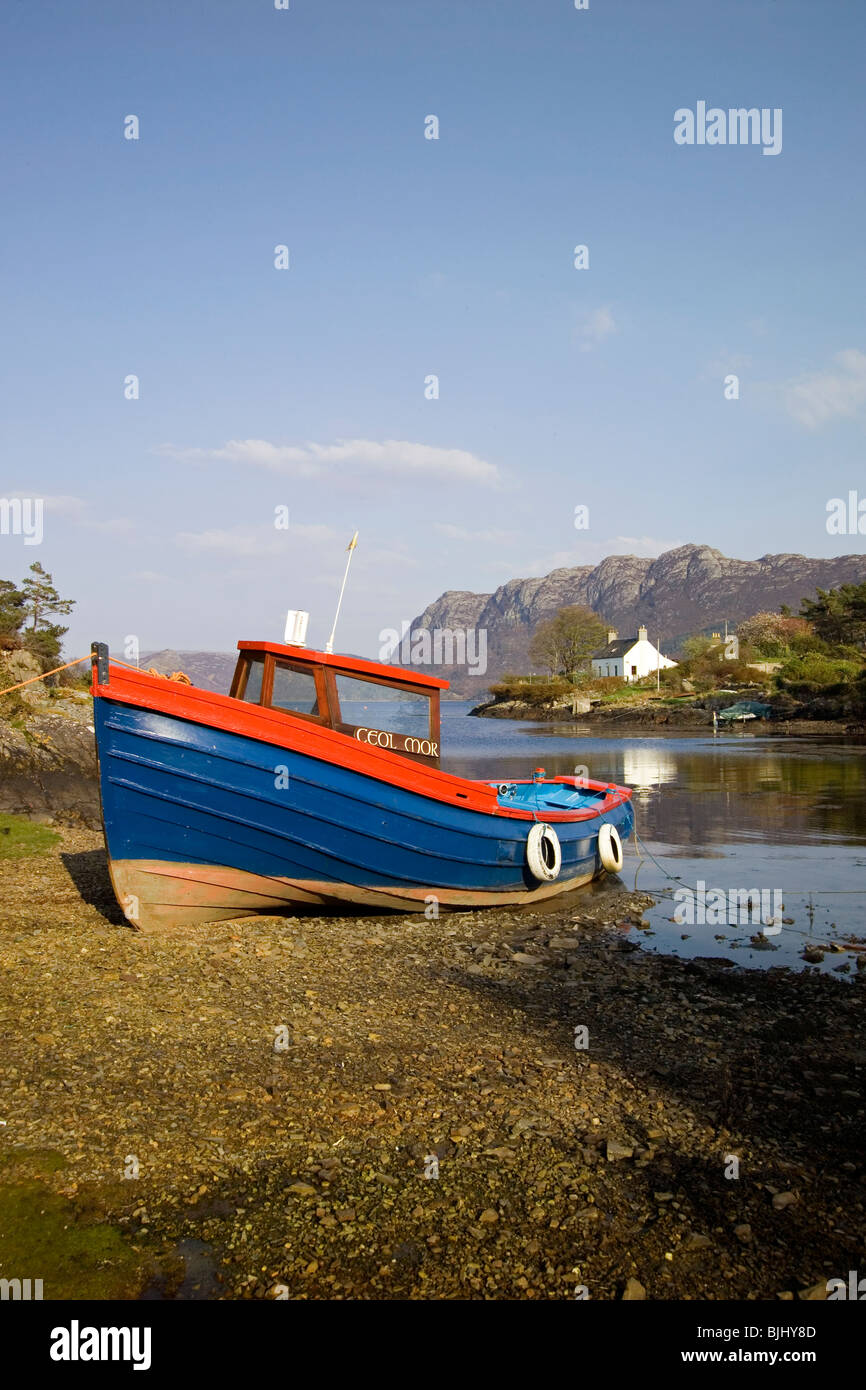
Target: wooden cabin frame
(325,668)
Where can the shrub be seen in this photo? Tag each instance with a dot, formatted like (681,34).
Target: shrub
(536,692)
(814,673)
(708,673)
(857,695)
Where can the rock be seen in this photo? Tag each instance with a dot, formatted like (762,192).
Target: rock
(634,1291)
(812,955)
(782,1200)
(762,942)
(563,943)
(302,1189)
(521,958)
(815,1293)
(743,1232)
(617,1151)
(21,665)
(387,1178)
(696,1242)
(489,1217)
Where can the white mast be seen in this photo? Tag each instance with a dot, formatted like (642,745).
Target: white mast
(329,647)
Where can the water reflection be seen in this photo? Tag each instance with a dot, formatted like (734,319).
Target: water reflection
(704,792)
(646,769)
(733,810)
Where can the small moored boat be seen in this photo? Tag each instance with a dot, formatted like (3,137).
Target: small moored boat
(317,781)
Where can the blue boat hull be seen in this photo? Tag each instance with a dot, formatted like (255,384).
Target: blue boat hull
(203,824)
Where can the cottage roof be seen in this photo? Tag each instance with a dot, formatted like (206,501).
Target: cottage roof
(617,648)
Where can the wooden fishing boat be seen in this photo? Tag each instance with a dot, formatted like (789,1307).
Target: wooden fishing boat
(317,781)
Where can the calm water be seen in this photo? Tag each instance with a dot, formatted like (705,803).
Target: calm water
(734,810)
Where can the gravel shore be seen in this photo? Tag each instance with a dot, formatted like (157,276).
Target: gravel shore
(394,1107)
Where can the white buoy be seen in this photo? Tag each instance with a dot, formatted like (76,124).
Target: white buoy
(610,848)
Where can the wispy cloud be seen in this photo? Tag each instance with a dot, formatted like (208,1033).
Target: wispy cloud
(116,526)
(725,362)
(57,504)
(835,393)
(75,511)
(459,533)
(252,541)
(311,460)
(594,325)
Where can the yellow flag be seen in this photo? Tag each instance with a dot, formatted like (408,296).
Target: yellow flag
(353,542)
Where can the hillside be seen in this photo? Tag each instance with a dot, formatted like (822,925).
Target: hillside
(210,670)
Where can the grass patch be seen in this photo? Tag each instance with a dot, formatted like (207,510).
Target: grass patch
(627,695)
(20,837)
(43,1235)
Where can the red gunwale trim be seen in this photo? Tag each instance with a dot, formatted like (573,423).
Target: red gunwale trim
(205,707)
(347,663)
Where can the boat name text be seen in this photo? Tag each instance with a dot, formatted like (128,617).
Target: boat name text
(425,746)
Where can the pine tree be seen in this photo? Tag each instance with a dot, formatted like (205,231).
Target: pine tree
(838,615)
(41,603)
(11,613)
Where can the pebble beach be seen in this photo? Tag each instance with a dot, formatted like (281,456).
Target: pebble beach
(499,1105)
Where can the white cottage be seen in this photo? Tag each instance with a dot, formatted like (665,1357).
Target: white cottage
(630,658)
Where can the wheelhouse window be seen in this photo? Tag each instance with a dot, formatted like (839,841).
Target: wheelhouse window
(251,679)
(386,707)
(281,685)
(294,690)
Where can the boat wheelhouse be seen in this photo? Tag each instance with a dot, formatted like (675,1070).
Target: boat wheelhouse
(378,705)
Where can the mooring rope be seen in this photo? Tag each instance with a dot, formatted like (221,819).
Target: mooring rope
(115,661)
(21,684)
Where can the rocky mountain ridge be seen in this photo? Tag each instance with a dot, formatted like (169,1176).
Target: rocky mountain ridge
(679,593)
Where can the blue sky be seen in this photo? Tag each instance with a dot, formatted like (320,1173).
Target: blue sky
(304,388)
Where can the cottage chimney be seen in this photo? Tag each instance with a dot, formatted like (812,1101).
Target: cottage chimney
(641,634)
(611,634)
